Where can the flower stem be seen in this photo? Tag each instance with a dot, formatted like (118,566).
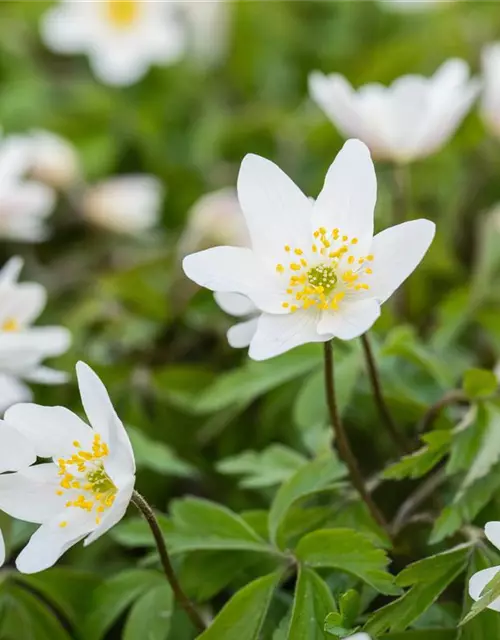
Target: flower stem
(455,396)
(179,594)
(342,441)
(397,437)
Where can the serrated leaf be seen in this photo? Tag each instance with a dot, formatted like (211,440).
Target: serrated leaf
(150,617)
(114,596)
(266,468)
(314,476)
(488,454)
(432,567)
(417,464)
(243,616)
(479,383)
(312,602)
(349,551)
(204,525)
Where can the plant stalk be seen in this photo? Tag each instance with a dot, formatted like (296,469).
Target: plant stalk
(342,440)
(179,594)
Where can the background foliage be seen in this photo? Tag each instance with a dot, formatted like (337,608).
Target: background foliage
(261,521)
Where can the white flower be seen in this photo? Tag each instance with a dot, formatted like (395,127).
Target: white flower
(411,119)
(314,270)
(85,489)
(208,27)
(241,334)
(121,37)
(23,347)
(52,159)
(216,218)
(359,636)
(490,104)
(480,579)
(413,5)
(126,204)
(24,204)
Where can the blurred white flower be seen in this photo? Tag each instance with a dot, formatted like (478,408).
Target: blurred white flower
(125,204)
(241,334)
(480,579)
(216,218)
(52,159)
(24,203)
(359,636)
(490,104)
(414,5)
(85,489)
(411,119)
(314,270)
(22,346)
(122,38)
(208,27)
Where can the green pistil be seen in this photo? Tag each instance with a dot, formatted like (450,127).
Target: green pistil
(323,276)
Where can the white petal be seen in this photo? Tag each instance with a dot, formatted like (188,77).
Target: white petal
(238,270)
(492,532)
(22,303)
(277,334)
(12,391)
(348,198)
(351,320)
(51,540)
(30,494)
(478,582)
(275,209)
(235,304)
(334,95)
(115,513)
(9,273)
(21,351)
(119,66)
(29,200)
(63,31)
(120,463)
(51,430)
(2,550)
(397,252)
(240,335)
(16,451)
(46,375)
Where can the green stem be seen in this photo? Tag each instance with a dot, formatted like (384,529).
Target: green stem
(343,442)
(179,594)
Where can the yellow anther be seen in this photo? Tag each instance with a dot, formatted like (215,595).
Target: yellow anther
(10,324)
(76,444)
(293,308)
(287,248)
(76,485)
(370,257)
(314,248)
(316,234)
(369,271)
(303,262)
(285,305)
(298,252)
(280,268)
(361,260)
(59,492)
(63,524)
(322,230)
(98,520)
(354,241)
(350,259)
(345,238)
(295,267)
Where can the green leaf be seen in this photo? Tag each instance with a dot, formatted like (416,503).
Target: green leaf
(135,532)
(428,579)
(488,454)
(266,468)
(157,456)
(479,383)
(349,607)
(422,461)
(424,634)
(312,602)
(243,616)
(349,551)
(150,616)
(204,525)
(314,476)
(255,379)
(334,626)
(490,593)
(114,596)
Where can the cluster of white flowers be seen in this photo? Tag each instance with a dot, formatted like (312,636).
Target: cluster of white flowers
(124,37)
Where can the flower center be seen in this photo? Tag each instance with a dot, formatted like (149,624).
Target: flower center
(10,324)
(85,471)
(335,270)
(122,13)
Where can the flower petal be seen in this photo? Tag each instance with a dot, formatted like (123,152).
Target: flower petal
(22,303)
(51,430)
(102,416)
(46,375)
(240,335)
(2,550)
(238,270)
(351,320)
(235,304)
(115,513)
(276,211)
(51,541)
(9,274)
(16,451)
(492,532)
(398,251)
(12,391)
(334,95)
(30,494)
(478,582)
(277,334)
(348,197)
